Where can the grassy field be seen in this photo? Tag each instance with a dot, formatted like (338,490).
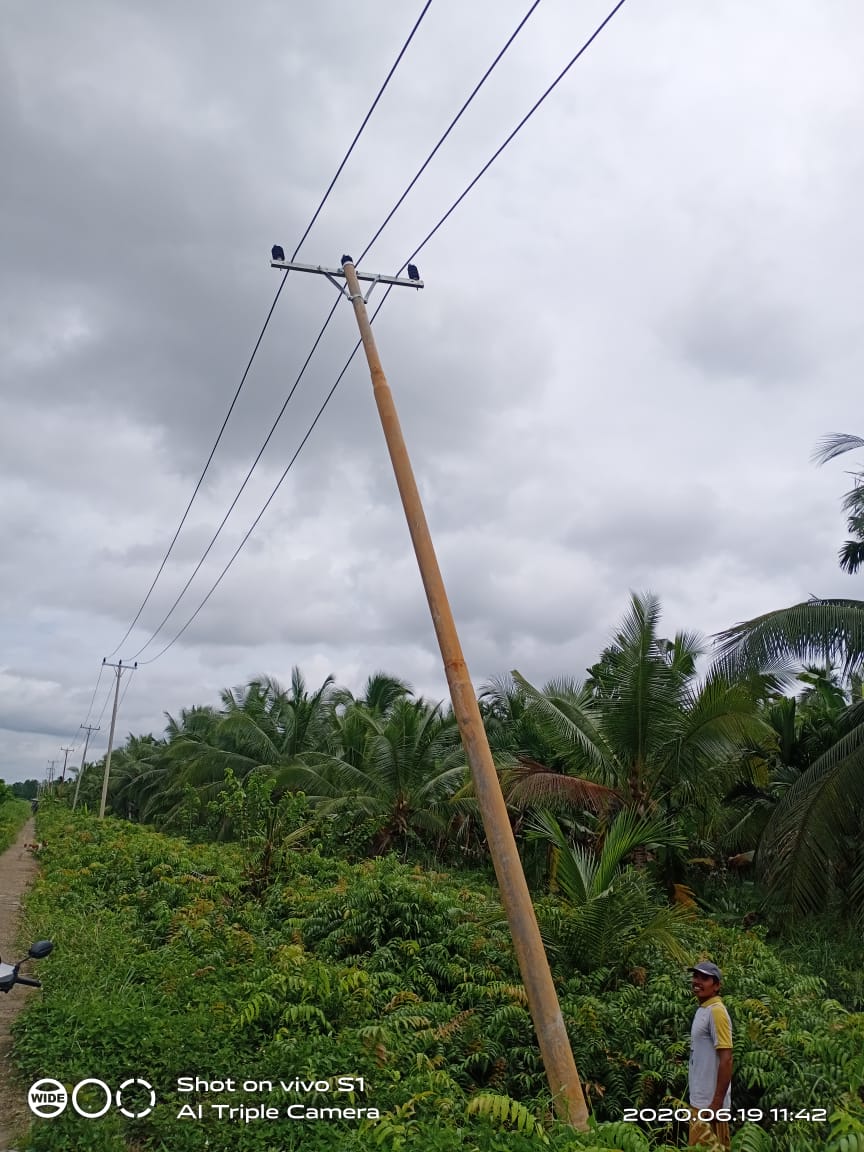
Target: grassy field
(170,963)
(13,814)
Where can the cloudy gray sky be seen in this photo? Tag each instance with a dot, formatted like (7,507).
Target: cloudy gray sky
(633,333)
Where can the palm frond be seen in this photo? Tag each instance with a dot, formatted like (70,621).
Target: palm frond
(833,445)
(529,784)
(856,889)
(851,556)
(572,723)
(622,924)
(686,650)
(664,930)
(642,682)
(627,832)
(575,869)
(804,837)
(323,777)
(441,785)
(719,718)
(638,629)
(830,631)
(382,691)
(248,735)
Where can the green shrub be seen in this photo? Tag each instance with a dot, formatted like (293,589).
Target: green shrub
(13,816)
(167,965)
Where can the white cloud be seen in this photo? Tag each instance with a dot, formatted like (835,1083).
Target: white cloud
(633,332)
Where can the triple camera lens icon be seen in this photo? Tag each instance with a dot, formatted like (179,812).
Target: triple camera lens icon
(48,1098)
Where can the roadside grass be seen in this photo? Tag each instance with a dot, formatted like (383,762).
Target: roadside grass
(13,815)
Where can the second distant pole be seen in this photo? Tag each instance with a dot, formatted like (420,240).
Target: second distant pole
(90,729)
(118,672)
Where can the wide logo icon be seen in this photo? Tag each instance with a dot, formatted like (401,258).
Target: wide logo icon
(47,1098)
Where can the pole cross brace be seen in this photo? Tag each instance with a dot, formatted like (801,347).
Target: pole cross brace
(336,274)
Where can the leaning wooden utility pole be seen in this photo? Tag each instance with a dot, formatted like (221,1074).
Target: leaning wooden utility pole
(118,671)
(567,1096)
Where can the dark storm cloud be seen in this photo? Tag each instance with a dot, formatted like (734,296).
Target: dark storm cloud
(606,385)
(146,183)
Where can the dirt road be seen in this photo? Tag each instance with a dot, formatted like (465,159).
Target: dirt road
(17,870)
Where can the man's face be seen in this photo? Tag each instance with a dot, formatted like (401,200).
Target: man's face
(704,987)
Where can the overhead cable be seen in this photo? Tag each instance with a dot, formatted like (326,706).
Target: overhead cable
(409,259)
(104,706)
(329,317)
(242,487)
(77,734)
(257,345)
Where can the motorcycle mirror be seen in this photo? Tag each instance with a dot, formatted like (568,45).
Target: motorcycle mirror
(40,948)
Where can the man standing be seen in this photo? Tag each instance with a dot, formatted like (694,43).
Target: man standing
(710,1056)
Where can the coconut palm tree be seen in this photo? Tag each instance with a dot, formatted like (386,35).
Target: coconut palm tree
(399,769)
(805,727)
(806,849)
(148,783)
(261,726)
(350,731)
(380,692)
(810,848)
(829,631)
(614,913)
(137,776)
(644,725)
(532,767)
(274,724)
(851,555)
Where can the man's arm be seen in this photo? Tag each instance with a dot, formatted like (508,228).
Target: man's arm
(724,1078)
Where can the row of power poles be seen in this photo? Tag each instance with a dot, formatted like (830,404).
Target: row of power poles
(119,669)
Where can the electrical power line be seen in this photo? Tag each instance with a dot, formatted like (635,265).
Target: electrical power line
(254,523)
(450,128)
(251,360)
(329,317)
(242,487)
(362,126)
(515,131)
(131,670)
(76,735)
(383,300)
(104,706)
(95,690)
(126,689)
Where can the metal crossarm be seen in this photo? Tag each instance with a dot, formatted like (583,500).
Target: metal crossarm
(334,275)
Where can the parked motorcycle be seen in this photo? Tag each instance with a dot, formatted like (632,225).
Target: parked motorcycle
(9,975)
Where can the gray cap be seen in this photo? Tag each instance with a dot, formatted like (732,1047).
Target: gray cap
(706,968)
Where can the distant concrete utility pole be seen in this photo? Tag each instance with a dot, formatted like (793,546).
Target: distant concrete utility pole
(89,728)
(555,1048)
(66,752)
(119,670)
(51,764)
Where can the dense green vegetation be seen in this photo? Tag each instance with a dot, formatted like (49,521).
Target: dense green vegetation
(26,789)
(171,961)
(727,766)
(13,813)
